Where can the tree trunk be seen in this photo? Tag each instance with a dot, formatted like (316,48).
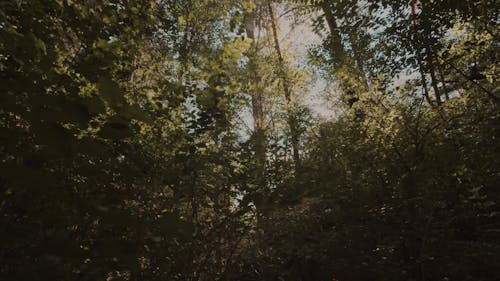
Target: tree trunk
(336,47)
(292,118)
(259,134)
(434,82)
(445,88)
(424,81)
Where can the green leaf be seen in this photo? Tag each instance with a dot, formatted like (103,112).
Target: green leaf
(94,105)
(134,112)
(116,128)
(111,92)
(52,134)
(172,225)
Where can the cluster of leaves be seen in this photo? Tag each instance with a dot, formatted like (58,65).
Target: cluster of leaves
(108,168)
(410,194)
(401,186)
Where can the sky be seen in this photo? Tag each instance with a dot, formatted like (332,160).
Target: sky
(296,39)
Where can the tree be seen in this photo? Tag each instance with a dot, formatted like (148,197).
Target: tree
(124,155)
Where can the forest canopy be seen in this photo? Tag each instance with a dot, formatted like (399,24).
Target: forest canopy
(186,140)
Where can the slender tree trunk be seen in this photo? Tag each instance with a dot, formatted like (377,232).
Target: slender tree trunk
(336,46)
(338,51)
(424,81)
(292,118)
(259,133)
(420,61)
(445,89)
(434,82)
(360,66)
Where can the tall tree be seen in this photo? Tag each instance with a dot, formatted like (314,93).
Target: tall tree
(253,18)
(292,118)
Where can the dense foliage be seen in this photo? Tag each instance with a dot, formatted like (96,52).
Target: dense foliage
(173,140)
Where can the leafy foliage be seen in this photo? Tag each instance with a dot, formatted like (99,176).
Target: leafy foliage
(124,154)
